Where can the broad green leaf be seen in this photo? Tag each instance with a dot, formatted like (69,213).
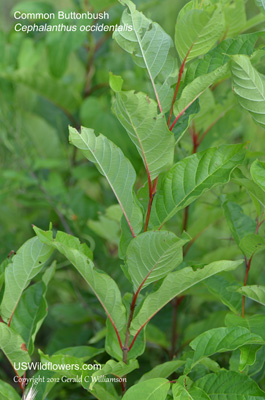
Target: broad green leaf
(257,171)
(239,223)
(153,389)
(147,130)
(7,392)
(221,340)
(197,31)
(192,177)
(117,169)
(243,44)
(254,323)
(248,355)
(254,292)
(30,313)
(252,244)
(26,264)
(118,369)
(163,370)
(249,87)
(149,45)
(182,393)
(103,286)
(194,89)
(225,292)
(14,348)
(53,90)
(173,285)
(230,385)
(151,255)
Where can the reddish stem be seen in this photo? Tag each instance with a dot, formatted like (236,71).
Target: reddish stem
(248,264)
(152,192)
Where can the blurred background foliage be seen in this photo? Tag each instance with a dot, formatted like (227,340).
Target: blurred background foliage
(51,80)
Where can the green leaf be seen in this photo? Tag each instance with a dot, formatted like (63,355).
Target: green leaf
(118,369)
(103,286)
(225,292)
(30,313)
(147,130)
(153,389)
(252,244)
(115,82)
(151,255)
(26,264)
(117,169)
(261,4)
(149,45)
(194,89)
(254,190)
(182,393)
(220,340)
(239,223)
(7,392)
(192,177)
(249,87)
(163,370)
(14,348)
(248,355)
(235,17)
(197,31)
(257,171)
(255,323)
(84,353)
(230,385)
(254,292)
(173,285)
(214,59)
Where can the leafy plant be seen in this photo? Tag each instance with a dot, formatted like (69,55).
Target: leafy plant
(186,174)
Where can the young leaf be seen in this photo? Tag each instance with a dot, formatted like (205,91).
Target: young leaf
(249,87)
(230,385)
(257,171)
(152,255)
(182,393)
(254,292)
(197,31)
(30,313)
(103,286)
(14,348)
(118,369)
(153,389)
(7,392)
(193,176)
(173,285)
(117,169)
(26,264)
(220,340)
(147,130)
